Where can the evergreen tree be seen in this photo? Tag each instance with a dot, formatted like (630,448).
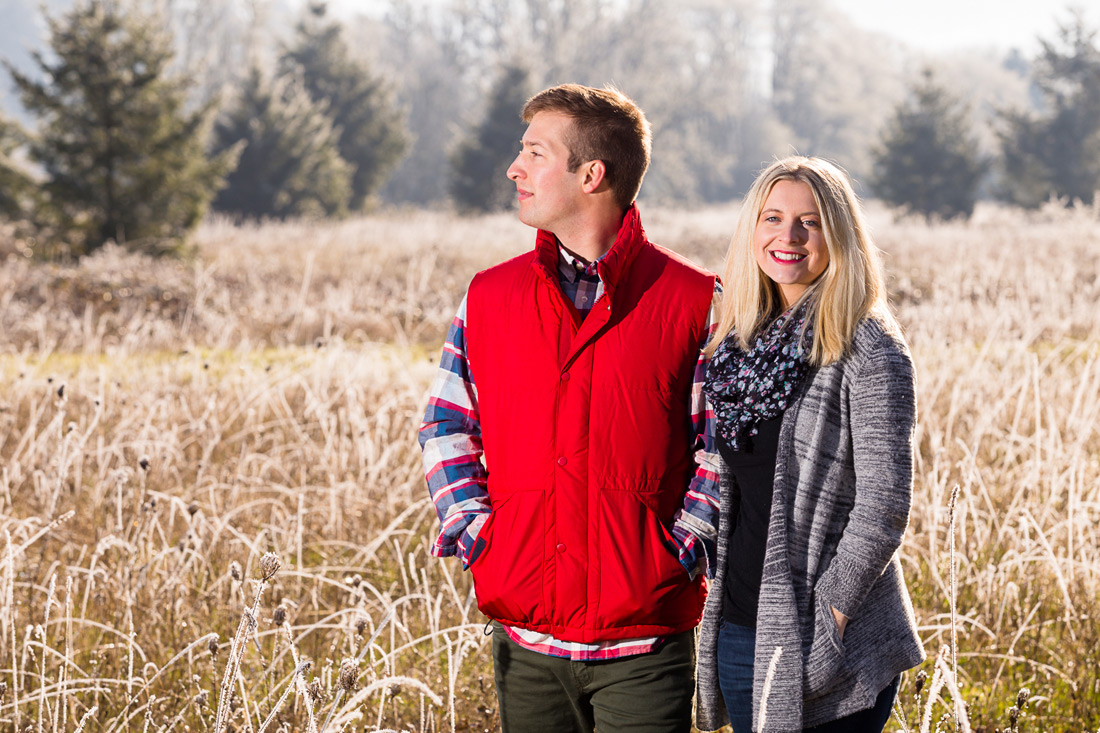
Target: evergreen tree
(478,181)
(927,161)
(1057,153)
(371,136)
(122,159)
(15,185)
(290,164)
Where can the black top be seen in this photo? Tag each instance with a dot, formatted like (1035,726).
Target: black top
(753,474)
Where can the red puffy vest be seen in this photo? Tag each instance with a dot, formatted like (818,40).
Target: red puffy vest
(588,441)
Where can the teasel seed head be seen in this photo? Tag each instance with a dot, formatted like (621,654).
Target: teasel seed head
(316,691)
(349,676)
(235,570)
(269,565)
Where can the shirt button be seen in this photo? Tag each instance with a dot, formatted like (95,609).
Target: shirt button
(562,461)
(560,547)
(565,377)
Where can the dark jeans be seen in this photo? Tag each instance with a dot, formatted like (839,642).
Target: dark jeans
(736,648)
(643,693)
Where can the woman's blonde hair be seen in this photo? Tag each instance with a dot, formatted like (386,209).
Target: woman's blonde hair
(851,288)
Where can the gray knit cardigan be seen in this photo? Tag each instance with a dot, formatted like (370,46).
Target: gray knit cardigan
(843,483)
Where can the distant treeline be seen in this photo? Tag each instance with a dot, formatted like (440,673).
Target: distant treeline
(147,113)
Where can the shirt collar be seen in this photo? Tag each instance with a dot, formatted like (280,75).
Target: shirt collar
(571,267)
(630,241)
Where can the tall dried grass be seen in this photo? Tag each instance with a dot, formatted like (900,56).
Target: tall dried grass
(165,425)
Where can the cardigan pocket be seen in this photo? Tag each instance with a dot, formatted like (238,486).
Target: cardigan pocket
(825,658)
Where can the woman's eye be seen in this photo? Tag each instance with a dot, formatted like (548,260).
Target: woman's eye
(809,223)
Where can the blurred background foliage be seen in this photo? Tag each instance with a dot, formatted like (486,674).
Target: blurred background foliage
(134,117)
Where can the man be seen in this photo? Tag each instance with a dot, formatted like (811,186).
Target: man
(559,436)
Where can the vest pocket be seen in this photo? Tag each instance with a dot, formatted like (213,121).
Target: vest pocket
(642,582)
(508,573)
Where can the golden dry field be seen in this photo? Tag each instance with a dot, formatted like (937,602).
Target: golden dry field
(166,425)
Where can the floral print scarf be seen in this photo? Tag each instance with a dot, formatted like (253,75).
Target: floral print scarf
(746,388)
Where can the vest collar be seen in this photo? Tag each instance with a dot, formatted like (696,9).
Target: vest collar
(613,266)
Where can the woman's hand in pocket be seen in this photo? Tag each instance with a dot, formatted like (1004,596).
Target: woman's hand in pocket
(841,620)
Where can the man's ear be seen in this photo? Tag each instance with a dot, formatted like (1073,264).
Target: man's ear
(594,176)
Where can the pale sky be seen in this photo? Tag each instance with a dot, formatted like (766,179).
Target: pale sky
(943,25)
(929,25)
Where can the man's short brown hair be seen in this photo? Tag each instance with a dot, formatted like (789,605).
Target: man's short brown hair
(607,126)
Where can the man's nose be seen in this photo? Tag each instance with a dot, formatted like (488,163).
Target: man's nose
(515,170)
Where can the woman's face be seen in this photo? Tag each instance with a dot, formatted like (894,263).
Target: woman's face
(788,241)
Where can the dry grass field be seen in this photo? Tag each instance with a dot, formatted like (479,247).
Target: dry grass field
(213,517)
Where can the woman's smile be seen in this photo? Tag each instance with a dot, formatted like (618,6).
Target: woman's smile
(789,241)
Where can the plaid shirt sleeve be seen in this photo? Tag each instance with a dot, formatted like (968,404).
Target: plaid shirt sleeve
(696,525)
(450,438)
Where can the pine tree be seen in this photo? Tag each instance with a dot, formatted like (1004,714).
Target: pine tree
(478,181)
(123,161)
(1057,153)
(371,136)
(927,161)
(15,184)
(290,164)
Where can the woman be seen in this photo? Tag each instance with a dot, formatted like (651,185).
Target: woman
(808,623)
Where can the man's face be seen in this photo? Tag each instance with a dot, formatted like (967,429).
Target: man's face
(547,192)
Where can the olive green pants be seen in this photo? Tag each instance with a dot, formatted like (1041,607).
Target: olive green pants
(643,693)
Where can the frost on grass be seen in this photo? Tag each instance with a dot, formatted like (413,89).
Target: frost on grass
(264,398)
